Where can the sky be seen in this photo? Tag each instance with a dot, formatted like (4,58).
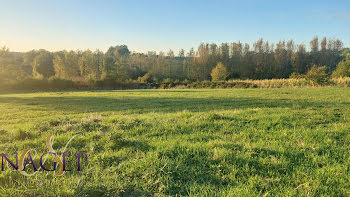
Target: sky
(160,25)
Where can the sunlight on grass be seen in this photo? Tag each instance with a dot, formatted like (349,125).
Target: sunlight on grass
(186,142)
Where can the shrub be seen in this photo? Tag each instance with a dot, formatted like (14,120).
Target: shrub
(228,84)
(91,79)
(318,75)
(167,83)
(38,76)
(186,81)
(147,78)
(57,83)
(219,73)
(296,75)
(342,70)
(30,84)
(341,82)
(105,83)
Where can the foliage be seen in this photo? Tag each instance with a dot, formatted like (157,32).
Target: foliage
(318,74)
(55,83)
(341,82)
(52,83)
(219,73)
(343,70)
(11,68)
(43,65)
(66,65)
(343,67)
(90,64)
(241,61)
(147,78)
(296,75)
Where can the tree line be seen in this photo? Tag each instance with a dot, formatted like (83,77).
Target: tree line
(262,60)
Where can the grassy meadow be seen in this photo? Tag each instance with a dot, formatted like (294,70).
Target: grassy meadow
(184,142)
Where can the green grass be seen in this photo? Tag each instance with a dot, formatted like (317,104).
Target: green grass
(223,142)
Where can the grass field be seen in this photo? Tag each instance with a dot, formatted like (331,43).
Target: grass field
(223,142)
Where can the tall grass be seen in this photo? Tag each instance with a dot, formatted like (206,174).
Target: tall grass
(281,83)
(270,83)
(108,84)
(342,82)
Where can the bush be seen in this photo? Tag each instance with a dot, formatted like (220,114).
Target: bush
(44,84)
(113,84)
(341,82)
(296,75)
(318,75)
(147,78)
(105,83)
(219,73)
(228,84)
(57,83)
(342,70)
(167,83)
(31,84)
(186,81)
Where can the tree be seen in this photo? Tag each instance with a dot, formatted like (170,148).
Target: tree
(181,54)
(117,51)
(298,59)
(147,78)
(28,60)
(346,53)
(225,53)
(90,64)
(203,62)
(248,63)
(281,60)
(107,67)
(11,66)
(219,73)
(43,65)
(343,67)
(262,61)
(66,65)
(318,74)
(334,48)
(235,65)
(314,50)
(343,70)
(121,70)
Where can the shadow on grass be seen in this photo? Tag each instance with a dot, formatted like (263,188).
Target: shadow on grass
(120,142)
(136,104)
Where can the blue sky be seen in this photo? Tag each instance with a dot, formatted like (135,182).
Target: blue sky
(160,25)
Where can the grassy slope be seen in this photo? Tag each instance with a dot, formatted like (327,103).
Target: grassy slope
(187,142)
